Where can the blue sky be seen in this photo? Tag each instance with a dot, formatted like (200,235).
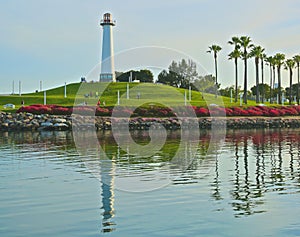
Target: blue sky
(60,41)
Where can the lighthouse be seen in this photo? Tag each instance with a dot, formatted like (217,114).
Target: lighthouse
(107,64)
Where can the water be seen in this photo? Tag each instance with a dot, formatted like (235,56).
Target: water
(249,185)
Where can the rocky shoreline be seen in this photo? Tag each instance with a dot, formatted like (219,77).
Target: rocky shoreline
(31,122)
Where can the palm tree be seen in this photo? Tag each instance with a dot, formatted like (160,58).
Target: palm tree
(297,61)
(235,54)
(289,65)
(215,49)
(279,60)
(274,75)
(256,52)
(263,57)
(235,41)
(245,43)
(271,62)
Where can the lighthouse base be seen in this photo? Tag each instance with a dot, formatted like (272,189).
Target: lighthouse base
(107,77)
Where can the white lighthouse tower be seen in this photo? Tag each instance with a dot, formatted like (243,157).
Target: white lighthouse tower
(107,64)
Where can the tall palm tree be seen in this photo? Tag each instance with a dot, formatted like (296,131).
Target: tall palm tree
(263,57)
(235,41)
(215,49)
(271,62)
(235,54)
(256,52)
(245,43)
(279,60)
(297,61)
(290,65)
(274,75)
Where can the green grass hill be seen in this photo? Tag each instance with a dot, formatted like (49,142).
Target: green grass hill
(140,93)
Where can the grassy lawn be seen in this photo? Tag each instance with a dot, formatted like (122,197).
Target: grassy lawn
(148,93)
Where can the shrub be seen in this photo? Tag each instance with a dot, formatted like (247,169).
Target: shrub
(157,111)
(274,112)
(201,112)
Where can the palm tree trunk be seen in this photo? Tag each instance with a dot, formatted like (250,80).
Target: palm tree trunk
(245,80)
(274,81)
(279,84)
(298,86)
(216,68)
(271,84)
(291,83)
(236,80)
(257,80)
(262,81)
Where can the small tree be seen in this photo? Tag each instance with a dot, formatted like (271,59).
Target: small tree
(180,74)
(261,87)
(143,75)
(206,84)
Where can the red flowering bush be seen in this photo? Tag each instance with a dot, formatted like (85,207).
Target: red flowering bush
(201,112)
(217,111)
(229,112)
(57,110)
(297,108)
(274,112)
(236,111)
(103,111)
(157,111)
(290,111)
(35,109)
(254,112)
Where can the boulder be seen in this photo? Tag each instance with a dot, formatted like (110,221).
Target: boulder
(61,126)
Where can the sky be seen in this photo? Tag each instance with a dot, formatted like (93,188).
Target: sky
(56,41)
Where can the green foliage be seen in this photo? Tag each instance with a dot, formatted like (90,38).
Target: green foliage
(279,59)
(262,88)
(289,64)
(180,74)
(245,43)
(214,49)
(206,84)
(256,52)
(143,75)
(228,90)
(235,54)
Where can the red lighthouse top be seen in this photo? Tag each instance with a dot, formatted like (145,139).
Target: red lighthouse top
(107,20)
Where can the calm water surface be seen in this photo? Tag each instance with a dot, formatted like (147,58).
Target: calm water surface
(248,186)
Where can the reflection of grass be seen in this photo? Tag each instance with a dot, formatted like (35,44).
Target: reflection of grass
(141,138)
(149,93)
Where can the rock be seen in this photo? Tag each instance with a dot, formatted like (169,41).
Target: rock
(4,125)
(59,120)
(46,124)
(61,126)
